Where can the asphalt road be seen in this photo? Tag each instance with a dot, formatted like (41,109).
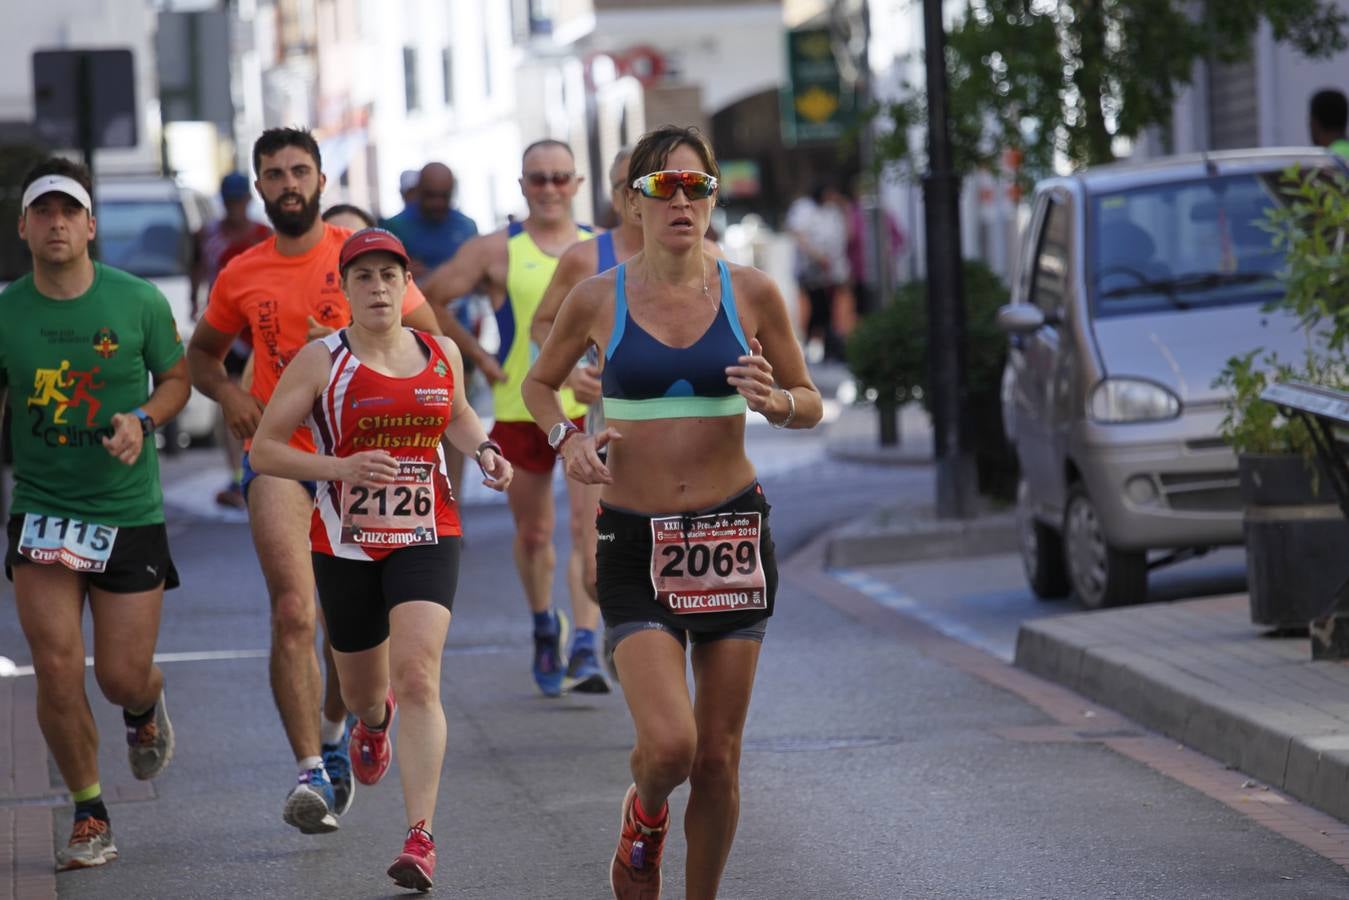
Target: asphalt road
(871,770)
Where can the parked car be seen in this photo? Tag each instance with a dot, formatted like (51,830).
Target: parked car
(1134,284)
(145,226)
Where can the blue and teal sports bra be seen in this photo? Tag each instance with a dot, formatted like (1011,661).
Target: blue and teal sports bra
(645,379)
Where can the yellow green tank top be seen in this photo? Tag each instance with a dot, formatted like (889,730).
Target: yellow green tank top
(528,271)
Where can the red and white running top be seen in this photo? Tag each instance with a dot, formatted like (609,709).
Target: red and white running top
(362,409)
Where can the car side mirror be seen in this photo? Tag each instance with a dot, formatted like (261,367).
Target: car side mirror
(1020,319)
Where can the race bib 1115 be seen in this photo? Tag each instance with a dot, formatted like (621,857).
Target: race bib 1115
(79,546)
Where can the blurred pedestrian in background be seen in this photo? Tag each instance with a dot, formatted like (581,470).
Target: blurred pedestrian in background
(348,216)
(1329,114)
(214,246)
(432,230)
(430,227)
(865,268)
(818,222)
(407,186)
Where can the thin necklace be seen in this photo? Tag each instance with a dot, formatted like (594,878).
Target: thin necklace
(703,259)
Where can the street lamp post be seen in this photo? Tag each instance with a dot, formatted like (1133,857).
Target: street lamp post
(946,296)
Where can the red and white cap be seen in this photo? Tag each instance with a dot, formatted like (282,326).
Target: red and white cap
(57,184)
(370,240)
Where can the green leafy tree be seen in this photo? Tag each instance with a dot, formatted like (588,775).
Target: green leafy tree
(1050,77)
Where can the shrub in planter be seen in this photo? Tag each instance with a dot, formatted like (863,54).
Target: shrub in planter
(1295,533)
(888,353)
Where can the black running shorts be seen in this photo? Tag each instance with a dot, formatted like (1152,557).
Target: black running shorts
(139,562)
(356,595)
(623,569)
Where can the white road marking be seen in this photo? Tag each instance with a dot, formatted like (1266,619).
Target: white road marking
(13,671)
(887,596)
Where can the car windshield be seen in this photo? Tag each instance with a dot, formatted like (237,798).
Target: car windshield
(1183,244)
(145,237)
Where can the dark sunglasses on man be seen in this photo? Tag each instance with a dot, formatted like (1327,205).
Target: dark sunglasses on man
(558,179)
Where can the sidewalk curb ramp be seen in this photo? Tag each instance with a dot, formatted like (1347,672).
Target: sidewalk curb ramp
(886,539)
(1276,716)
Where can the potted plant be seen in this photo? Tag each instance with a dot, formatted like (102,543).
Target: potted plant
(887,353)
(1295,532)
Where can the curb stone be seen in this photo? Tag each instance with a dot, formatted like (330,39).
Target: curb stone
(1286,742)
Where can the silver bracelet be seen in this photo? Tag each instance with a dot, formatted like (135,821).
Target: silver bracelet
(791,410)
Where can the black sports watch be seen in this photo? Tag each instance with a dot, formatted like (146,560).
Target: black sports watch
(558,433)
(147,423)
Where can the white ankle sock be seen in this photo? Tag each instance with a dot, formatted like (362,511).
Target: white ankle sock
(331,732)
(311,762)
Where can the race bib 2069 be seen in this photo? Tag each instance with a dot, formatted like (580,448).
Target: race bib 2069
(708,564)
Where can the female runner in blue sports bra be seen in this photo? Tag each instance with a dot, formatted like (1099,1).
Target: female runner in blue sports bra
(685,556)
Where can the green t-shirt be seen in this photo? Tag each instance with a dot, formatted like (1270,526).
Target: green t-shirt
(70,365)
(1341,147)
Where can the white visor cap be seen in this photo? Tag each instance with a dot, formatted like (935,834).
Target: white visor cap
(59,184)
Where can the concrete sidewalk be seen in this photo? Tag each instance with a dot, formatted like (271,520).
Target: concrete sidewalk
(1200,672)
(909,529)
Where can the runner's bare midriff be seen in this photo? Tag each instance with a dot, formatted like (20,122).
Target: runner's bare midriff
(676,465)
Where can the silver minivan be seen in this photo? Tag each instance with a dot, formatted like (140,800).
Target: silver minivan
(1134,284)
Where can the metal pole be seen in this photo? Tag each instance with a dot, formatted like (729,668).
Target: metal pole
(946,296)
(881,268)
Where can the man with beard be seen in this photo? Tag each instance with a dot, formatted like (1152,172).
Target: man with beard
(287,292)
(513,265)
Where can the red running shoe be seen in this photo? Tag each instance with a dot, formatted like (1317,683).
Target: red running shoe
(635,871)
(417,863)
(371,750)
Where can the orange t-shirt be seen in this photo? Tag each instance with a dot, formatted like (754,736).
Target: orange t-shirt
(274,296)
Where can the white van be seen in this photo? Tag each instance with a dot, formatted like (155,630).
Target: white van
(145,227)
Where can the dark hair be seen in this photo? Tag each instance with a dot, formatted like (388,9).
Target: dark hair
(59,165)
(274,139)
(338,208)
(546,142)
(1330,110)
(655,147)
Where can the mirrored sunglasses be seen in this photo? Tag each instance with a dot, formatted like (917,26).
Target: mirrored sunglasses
(662,185)
(558,179)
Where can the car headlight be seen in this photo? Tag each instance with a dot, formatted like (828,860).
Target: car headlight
(1132,400)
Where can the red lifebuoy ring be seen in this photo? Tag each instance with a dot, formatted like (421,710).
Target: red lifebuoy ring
(643,62)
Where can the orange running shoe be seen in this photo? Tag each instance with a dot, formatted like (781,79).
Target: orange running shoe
(635,871)
(371,750)
(417,863)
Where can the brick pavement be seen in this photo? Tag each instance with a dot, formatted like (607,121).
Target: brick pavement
(1200,672)
(25,822)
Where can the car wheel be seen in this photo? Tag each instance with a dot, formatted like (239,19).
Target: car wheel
(1100,575)
(1041,549)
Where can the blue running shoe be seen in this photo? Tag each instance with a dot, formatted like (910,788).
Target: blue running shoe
(550,664)
(337,760)
(584,675)
(309,805)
